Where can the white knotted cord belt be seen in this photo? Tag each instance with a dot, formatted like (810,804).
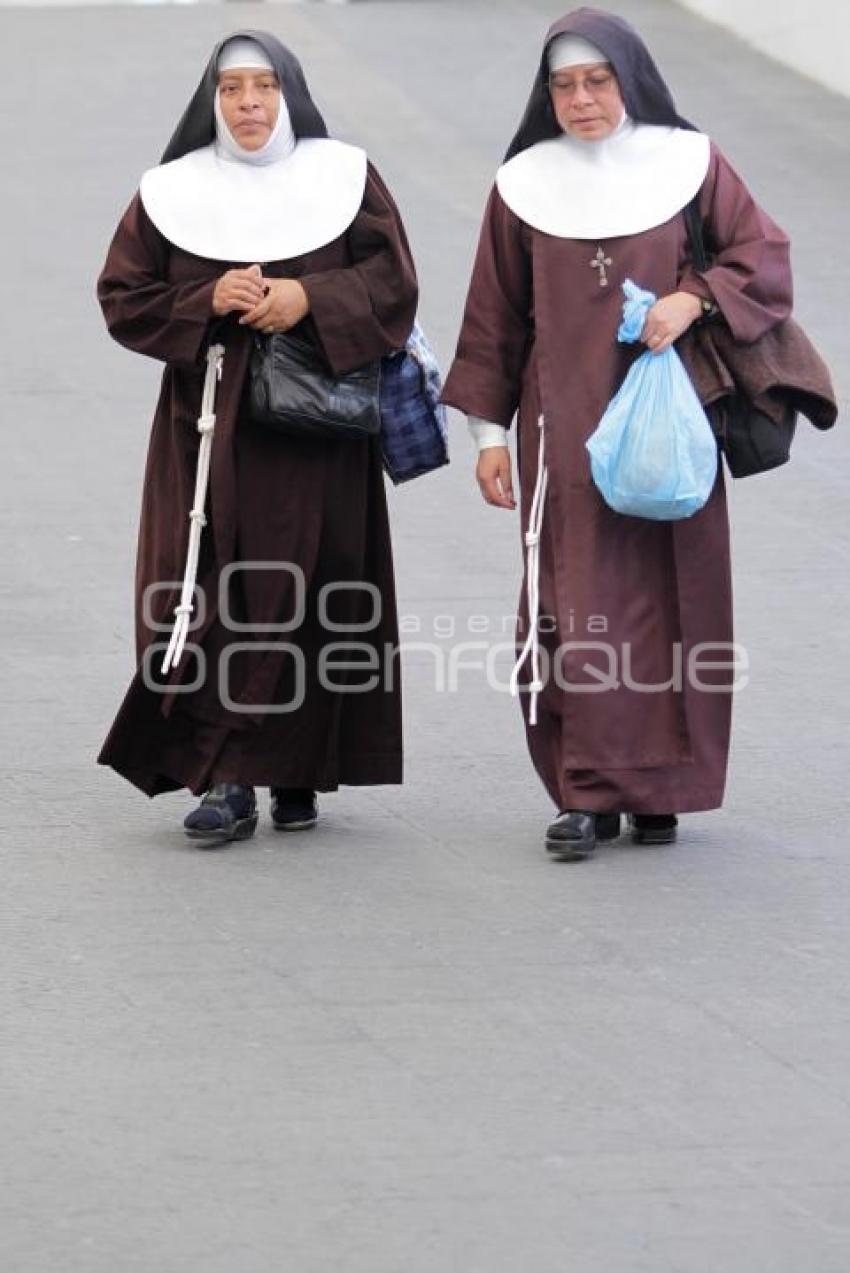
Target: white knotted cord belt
(197,517)
(532,576)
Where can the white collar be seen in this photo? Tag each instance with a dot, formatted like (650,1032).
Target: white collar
(639,177)
(211,206)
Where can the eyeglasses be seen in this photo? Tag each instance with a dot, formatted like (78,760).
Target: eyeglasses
(597,83)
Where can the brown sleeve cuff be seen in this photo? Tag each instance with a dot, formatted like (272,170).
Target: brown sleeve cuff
(341,317)
(192,316)
(476,391)
(694,283)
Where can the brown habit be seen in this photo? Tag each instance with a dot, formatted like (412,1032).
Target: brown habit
(539,335)
(318,505)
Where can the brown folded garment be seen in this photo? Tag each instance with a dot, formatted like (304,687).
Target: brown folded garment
(780,370)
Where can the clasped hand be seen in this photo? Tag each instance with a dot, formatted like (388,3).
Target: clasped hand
(668,319)
(267,304)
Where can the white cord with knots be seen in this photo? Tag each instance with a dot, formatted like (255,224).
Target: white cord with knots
(532,573)
(197,517)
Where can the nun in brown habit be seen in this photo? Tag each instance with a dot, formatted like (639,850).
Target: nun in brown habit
(626,678)
(256,221)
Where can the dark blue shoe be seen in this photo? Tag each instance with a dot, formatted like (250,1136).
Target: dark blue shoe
(294,808)
(227,812)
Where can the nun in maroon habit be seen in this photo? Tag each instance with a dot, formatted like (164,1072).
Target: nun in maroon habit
(624,712)
(256,221)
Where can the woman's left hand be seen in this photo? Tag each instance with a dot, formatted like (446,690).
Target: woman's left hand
(668,319)
(284,305)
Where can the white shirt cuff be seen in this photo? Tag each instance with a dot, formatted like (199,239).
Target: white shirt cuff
(484,434)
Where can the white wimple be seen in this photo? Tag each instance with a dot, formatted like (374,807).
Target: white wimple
(197,517)
(532,573)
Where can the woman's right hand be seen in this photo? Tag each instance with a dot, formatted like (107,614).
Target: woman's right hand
(494,476)
(238,290)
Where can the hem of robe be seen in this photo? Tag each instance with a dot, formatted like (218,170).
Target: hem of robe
(613,793)
(160,754)
(694,787)
(370,769)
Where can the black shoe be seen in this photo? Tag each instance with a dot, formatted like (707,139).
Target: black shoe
(574,835)
(294,808)
(653,828)
(227,812)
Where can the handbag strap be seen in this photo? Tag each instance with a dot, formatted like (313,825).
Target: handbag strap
(693,221)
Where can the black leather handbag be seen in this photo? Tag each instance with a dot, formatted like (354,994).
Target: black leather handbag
(292,391)
(751,441)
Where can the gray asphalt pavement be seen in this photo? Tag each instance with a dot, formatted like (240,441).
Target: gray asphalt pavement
(406,1043)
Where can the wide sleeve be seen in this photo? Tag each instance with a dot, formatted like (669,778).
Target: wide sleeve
(485,379)
(367,309)
(749,278)
(143,310)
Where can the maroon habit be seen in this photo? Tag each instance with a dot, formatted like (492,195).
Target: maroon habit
(318,505)
(624,599)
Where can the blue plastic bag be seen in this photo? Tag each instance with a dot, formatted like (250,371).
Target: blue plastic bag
(653,453)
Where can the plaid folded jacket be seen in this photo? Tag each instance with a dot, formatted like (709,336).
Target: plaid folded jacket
(414,426)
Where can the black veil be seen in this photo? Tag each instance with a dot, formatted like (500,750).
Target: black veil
(197,127)
(647,98)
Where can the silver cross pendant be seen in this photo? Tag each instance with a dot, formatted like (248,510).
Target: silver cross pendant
(600,262)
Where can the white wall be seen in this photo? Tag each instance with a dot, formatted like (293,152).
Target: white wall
(813,36)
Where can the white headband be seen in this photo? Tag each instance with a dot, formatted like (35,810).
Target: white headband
(243,54)
(572,50)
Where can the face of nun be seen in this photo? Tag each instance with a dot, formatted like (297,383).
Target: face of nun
(587,100)
(250,101)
